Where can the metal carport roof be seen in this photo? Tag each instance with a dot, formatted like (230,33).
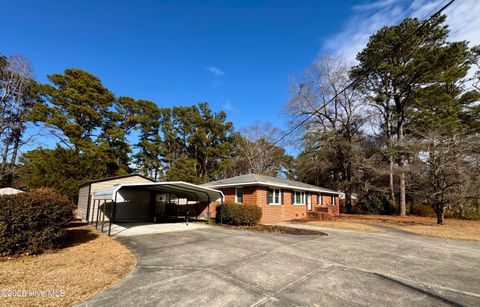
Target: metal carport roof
(179,188)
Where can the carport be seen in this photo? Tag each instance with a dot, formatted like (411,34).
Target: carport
(150,202)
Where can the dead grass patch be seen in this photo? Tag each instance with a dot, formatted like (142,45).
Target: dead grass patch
(89,264)
(346,225)
(276,229)
(452,229)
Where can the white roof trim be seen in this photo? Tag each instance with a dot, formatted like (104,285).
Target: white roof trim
(109,193)
(277,185)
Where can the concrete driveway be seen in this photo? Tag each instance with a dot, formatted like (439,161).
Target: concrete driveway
(221,267)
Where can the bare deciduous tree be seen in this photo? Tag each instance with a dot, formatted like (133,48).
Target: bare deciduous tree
(442,168)
(337,116)
(256,152)
(16,100)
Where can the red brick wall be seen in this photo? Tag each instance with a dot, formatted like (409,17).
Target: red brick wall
(279,213)
(333,209)
(275,213)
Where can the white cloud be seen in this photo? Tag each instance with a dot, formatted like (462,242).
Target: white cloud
(462,18)
(215,70)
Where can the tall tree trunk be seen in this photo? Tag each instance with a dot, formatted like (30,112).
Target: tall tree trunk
(391,158)
(440,213)
(13,161)
(348,190)
(4,157)
(403,203)
(401,165)
(392,180)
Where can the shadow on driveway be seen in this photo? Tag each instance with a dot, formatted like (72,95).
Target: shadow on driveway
(219,267)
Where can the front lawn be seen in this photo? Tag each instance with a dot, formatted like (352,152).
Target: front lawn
(276,229)
(452,229)
(89,264)
(344,224)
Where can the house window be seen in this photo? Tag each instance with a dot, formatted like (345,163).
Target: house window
(298,198)
(274,196)
(239,195)
(319,199)
(333,200)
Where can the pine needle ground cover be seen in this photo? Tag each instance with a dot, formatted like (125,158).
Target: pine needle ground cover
(344,224)
(451,229)
(89,264)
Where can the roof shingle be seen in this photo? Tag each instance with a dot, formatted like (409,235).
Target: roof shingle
(251,179)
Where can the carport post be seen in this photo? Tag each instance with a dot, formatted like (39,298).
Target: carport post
(221,212)
(88,206)
(103,213)
(98,212)
(91,210)
(112,206)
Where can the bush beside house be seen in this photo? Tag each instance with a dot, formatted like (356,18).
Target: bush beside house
(238,214)
(33,222)
(374,203)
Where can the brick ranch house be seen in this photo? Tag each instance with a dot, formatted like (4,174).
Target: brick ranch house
(280,199)
(136,198)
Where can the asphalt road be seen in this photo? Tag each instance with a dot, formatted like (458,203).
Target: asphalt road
(221,267)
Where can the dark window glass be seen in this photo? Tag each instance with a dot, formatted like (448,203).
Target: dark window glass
(277,196)
(270,196)
(239,195)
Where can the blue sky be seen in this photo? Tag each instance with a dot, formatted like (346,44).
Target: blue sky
(237,55)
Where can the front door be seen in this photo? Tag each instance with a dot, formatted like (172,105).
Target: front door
(309,202)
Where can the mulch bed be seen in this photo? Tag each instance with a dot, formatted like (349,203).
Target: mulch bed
(277,230)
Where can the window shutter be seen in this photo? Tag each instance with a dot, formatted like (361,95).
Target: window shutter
(269,196)
(281,196)
(293,196)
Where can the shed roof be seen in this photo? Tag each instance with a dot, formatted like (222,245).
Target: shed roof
(179,188)
(256,179)
(113,178)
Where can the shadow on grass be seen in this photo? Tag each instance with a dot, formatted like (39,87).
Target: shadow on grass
(77,236)
(75,224)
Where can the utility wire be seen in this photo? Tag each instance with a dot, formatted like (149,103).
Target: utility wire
(354,81)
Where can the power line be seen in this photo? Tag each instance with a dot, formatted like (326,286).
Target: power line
(317,111)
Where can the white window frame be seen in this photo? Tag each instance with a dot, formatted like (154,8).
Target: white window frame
(303,198)
(236,199)
(273,198)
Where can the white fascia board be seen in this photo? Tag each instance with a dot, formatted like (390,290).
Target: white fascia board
(276,185)
(165,183)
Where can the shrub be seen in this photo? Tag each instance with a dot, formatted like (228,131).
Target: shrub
(422,210)
(238,214)
(33,222)
(462,212)
(374,203)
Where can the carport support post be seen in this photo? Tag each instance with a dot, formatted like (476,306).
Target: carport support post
(103,213)
(221,212)
(88,206)
(98,212)
(91,212)
(112,207)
